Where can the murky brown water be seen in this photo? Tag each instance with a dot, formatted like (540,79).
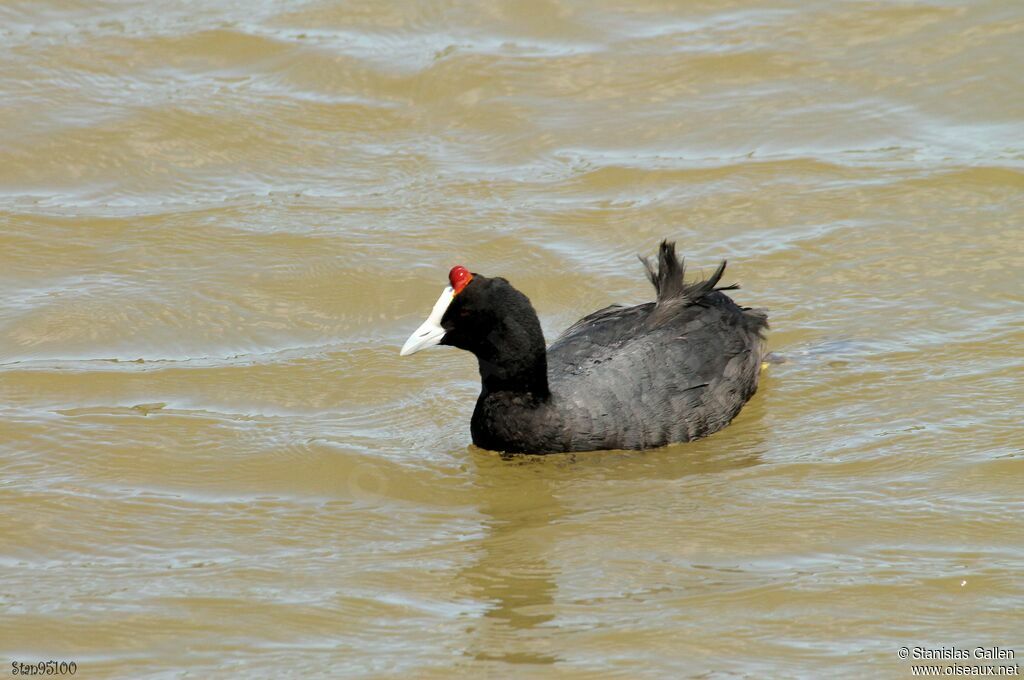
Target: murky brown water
(220,221)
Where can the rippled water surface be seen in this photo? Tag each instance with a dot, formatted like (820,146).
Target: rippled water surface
(220,220)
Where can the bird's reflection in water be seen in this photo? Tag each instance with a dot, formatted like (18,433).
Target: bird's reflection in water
(528,504)
(513,574)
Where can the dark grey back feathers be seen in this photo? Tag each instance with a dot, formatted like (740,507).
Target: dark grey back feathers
(669,282)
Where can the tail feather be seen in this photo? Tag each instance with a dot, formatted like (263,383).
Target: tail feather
(668,278)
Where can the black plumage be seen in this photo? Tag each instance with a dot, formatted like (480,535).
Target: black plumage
(621,378)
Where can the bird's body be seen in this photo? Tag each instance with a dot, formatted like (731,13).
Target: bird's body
(621,378)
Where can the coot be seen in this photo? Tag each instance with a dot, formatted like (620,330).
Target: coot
(621,378)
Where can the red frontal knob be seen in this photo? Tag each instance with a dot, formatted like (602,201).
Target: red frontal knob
(459,276)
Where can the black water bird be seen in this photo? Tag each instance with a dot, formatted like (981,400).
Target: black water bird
(637,377)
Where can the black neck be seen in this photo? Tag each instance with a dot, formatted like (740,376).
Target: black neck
(531,380)
(517,362)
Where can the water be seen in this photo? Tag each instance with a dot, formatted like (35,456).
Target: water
(219,223)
